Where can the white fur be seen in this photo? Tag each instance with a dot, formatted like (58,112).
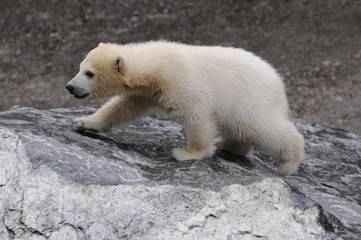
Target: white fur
(212,91)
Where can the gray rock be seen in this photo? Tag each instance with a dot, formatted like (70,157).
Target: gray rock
(60,183)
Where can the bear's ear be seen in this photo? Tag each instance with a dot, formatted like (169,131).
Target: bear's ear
(100,44)
(119,63)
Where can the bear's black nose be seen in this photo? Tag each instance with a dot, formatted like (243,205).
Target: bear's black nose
(70,88)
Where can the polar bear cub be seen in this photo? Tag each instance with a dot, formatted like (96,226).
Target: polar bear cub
(225,98)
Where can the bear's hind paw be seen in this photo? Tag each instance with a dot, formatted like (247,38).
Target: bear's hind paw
(286,168)
(182,154)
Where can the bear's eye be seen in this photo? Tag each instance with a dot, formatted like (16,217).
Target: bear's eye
(89,74)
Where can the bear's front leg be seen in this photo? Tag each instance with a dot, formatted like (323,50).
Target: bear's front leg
(119,110)
(200,134)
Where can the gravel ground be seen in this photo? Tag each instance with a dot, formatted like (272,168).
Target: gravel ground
(315,45)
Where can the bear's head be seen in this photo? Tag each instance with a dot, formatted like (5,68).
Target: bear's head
(101,74)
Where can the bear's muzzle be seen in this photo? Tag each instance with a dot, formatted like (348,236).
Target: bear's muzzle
(76,92)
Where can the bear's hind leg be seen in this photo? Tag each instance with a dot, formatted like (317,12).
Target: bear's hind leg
(284,140)
(236,147)
(200,134)
(291,156)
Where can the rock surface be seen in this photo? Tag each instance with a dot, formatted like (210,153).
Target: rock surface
(58,183)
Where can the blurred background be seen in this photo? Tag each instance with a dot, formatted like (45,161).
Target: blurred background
(314,44)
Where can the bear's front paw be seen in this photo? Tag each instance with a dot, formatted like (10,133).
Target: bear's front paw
(86,123)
